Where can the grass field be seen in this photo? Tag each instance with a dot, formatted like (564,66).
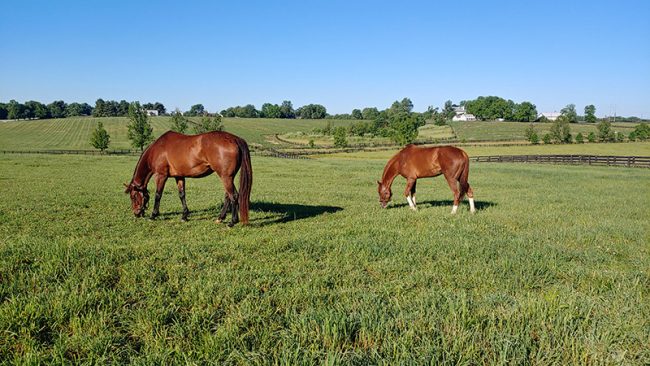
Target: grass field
(74,133)
(494,131)
(553,269)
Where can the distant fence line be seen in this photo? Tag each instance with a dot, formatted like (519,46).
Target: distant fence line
(126,152)
(607,160)
(603,160)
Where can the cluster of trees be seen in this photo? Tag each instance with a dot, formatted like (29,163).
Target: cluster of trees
(112,108)
(398,122)
(560,133)
(33,109)
(493,108)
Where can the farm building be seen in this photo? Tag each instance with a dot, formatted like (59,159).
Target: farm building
(551,116)
(462,115)
(152,112)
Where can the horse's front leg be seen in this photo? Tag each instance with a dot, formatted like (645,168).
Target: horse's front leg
(409,192)
(180,182)
(160,187)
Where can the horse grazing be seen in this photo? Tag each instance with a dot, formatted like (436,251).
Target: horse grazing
(180,156)
(414,162)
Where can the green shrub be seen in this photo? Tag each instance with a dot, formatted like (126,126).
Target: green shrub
(591,137)
(546,139)
(579,138)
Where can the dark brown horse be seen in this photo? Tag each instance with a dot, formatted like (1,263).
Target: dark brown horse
(414,162)
(180,156)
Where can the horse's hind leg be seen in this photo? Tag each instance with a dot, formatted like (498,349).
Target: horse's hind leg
(230,202)
(180,182)
(453,184)
(224,209)
(470,196)
(160,187)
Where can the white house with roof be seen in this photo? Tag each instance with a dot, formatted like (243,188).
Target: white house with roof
(551,116)
(462,115)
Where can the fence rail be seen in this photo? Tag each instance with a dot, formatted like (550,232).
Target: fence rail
(607,160)
(603,160)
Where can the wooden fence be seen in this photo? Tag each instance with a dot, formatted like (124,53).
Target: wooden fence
(627,161)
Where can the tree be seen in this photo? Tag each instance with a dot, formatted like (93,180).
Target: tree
(605,133)
(3,111)
(286,110)
(340,137)
(195,110)
(546,139)
(369,113)
(642,131)
(490,108)
(100,138)
(579,138)
(569,112)
(312,111)
(78,109)
(208,124)
(590,113)
(37,110)
(591,137)
(57,109)
(448,110)
(122,108)
(560,131)
(271,111)
(405,126)
(356,114)
(525,112)
(160,108)
(99,111)
(529,132)
(140,131)
(179,123)
(15,110)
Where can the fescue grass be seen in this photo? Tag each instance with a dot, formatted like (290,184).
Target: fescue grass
(553,269)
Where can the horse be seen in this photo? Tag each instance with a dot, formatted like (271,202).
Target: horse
(414,162)
(195,156)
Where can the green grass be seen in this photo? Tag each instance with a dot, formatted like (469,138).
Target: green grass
(553,269)
(494,131)
(621,149)
(74,133)
(426,133)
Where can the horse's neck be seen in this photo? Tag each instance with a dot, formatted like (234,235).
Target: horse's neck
(390,172)
(142,171)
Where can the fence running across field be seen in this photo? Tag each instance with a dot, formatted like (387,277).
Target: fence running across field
(626,161)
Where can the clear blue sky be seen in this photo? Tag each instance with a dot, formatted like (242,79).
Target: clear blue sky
(342,54)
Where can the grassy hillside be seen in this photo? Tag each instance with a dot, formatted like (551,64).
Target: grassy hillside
(494,131)
(553,269)
(74,133)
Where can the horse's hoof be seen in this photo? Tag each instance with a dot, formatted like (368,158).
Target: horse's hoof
(218,221)
(183,219)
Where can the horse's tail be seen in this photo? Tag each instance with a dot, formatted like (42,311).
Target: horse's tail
(464,176)
(245,180)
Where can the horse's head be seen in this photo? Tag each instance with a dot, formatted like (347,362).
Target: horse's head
(385,193)
(139,198)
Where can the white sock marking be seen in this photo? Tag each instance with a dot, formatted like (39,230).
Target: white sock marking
(454,209)
(410,201)
(472,208)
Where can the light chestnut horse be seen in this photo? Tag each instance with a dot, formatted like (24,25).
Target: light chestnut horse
(180,156)
(414,162)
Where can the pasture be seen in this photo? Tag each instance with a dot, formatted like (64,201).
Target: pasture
(553,269)
(75,132)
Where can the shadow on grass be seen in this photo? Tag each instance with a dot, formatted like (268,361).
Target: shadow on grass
(275,212)
(480,205)
(282,212)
